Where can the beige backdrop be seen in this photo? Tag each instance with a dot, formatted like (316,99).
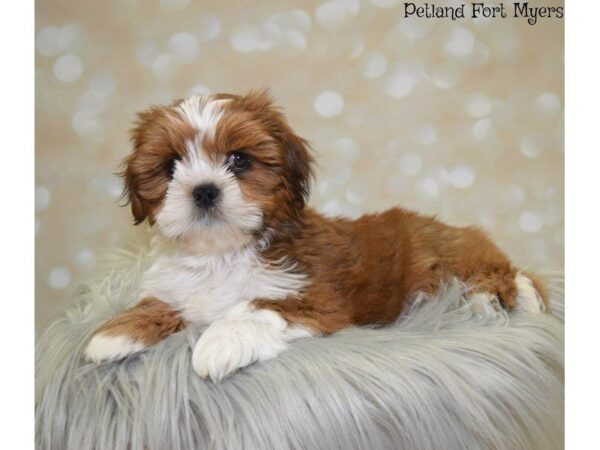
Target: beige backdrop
(459,119)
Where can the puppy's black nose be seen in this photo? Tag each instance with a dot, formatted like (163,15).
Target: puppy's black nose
(205,195)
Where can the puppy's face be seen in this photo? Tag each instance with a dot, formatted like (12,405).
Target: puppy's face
(216,172)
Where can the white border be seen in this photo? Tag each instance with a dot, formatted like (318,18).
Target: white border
(582,224)
(17,235)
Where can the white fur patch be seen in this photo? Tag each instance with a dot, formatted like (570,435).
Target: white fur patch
(206,287)
(202,113)
(528,298)
(244,336)
(111,348)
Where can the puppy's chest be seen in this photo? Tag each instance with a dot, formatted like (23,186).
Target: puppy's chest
(204,288)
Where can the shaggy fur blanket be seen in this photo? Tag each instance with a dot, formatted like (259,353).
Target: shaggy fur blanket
(449,375)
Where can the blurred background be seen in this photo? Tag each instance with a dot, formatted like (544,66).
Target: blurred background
(461,119)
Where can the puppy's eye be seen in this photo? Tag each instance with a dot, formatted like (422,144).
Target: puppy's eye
(238,162)
(170,166)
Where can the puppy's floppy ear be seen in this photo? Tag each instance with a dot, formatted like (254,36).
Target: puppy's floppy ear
(130,196)
(298,160)
(298,163)
(133,173)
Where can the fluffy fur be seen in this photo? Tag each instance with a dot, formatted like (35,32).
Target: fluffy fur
(448,375)
(224,180)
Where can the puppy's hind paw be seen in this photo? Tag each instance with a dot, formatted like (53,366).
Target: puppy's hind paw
(103,347)
(528,298)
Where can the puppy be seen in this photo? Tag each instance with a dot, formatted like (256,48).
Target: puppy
(225,180)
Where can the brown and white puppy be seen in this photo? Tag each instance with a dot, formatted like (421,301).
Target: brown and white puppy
(225,180)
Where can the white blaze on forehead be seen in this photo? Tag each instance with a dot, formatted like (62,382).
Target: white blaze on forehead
(202,113)
(197,163)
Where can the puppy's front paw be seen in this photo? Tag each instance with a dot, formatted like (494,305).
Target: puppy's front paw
(229,345)
(104,347)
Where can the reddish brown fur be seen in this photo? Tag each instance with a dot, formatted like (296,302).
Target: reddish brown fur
(148,322)
(282,164)
(363,271)
(359,272)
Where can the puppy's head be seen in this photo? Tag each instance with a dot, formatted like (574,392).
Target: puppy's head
(217,171)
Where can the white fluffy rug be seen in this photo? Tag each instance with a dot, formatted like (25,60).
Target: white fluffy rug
(448,376)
